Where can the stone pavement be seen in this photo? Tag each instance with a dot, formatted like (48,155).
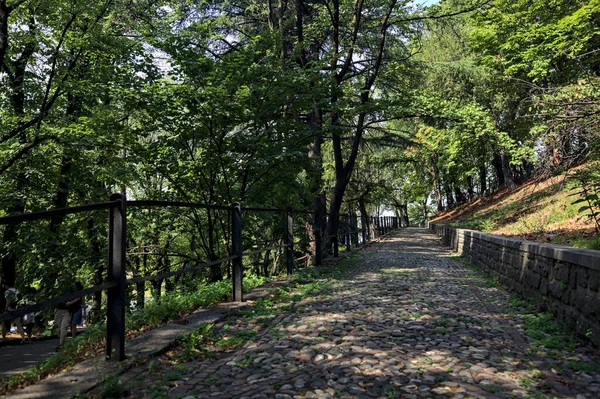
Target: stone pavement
(407,321)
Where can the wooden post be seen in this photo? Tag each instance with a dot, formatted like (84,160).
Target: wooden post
(237,250)
(115,296)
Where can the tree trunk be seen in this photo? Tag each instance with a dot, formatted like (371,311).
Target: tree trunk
(17,100)
(315,122)
(405,221)
(483,180)
(470,188)
(353,227)
(425,211)
(10,237)
(436,182)
(266,263)
(95,246)
(449,198)
(460,197)
(507,173)
(256,264)
(335,205)
(157,292)
(497,164)
(342,66)
(4,14)
(365,221)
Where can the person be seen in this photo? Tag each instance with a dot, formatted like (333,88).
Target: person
(76,309)
(11,297)
(62,315)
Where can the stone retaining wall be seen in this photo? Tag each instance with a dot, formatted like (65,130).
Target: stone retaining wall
(562,280)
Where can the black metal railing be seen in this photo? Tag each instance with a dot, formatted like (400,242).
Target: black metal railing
(116,281)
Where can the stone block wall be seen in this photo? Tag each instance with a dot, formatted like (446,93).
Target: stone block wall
(562,280)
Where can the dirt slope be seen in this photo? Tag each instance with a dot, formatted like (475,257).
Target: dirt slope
(541,211)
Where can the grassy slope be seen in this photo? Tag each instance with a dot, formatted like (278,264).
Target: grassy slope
(539,211)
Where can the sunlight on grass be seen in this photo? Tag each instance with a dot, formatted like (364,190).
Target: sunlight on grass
(537,211)
(393,271)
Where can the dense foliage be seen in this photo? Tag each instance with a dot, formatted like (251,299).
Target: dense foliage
(335,105)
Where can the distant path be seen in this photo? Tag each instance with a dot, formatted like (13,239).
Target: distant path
(407,322)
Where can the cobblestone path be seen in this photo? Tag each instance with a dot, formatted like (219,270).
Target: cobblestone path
(407,321)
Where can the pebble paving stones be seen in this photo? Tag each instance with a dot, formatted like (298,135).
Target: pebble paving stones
(407,320)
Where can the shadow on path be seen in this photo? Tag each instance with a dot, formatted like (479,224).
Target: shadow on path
(407,321)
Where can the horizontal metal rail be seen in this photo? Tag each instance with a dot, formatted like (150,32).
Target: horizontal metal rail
(255,209)
(13,219)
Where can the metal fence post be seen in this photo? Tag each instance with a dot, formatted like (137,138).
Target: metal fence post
(318,242)
(289,240)
(115,296)
(236,249)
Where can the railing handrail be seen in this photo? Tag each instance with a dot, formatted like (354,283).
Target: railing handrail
(25,217)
